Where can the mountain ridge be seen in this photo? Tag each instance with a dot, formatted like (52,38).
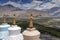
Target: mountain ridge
(49,7)
(9,10)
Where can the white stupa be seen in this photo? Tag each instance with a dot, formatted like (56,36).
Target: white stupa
(14,31)
(31,33)
(4,28)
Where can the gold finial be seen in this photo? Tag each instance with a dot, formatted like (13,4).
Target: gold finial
(14,19)
(31,21)
(4,18)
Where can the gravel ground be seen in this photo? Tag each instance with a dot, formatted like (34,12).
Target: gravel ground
(48,37)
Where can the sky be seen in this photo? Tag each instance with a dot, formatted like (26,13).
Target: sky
(27,1)
(28,4)
(22,1)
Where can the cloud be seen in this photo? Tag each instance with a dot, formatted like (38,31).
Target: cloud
(57,2)
(38,5)
(12,3)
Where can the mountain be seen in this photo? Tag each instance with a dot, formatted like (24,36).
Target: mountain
(54,11)
(34,4)
(9,10)
(50,6)
(38,5)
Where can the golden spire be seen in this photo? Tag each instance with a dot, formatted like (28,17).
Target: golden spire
(14,19)
(31,21)
(4,18)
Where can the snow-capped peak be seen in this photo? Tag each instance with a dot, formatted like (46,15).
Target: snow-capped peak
(12,3)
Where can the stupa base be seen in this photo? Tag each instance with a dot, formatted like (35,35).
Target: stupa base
(14,37)
(31,34)
(31,37)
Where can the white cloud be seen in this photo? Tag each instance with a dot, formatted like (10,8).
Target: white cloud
(57,2)
(48,5)
(12,3)
(38,5)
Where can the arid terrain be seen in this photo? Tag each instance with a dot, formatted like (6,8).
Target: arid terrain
(10,10)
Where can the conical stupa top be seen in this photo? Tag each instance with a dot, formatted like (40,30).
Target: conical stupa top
(31,21)
(4,18)
(14,19)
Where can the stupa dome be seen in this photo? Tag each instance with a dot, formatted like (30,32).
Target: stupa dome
(31,33)
(14,27)
(14,30)
(4,25)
